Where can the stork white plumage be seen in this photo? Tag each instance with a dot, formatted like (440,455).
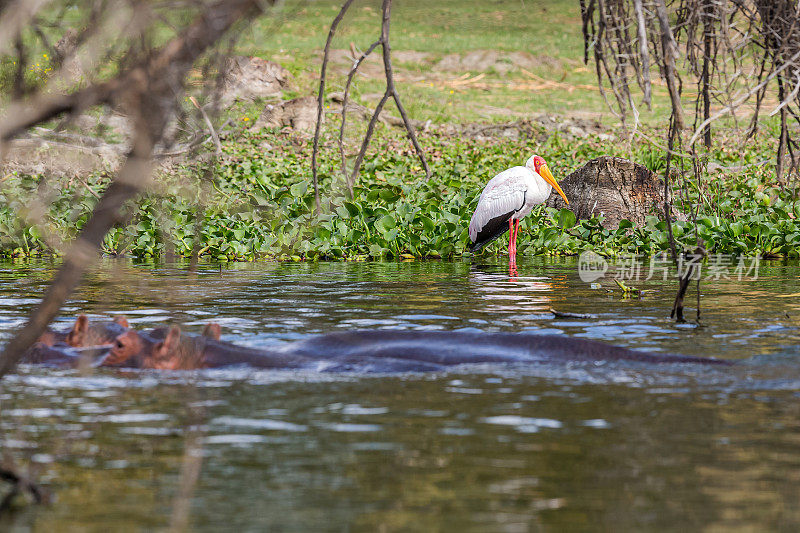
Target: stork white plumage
(507,198)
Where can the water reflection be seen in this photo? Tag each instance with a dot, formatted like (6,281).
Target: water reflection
(280,302)
(499,294)
(566,446)
(423,453)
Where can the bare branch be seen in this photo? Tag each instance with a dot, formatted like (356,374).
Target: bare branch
(211,129)
(42,107)
(321,98)
(644,54)
(741,100)
(19,483)
(786,101)
(391,91)
(673,132)
(670,54)
(148,91)
(350,76)
(82,252)
(17,16)
(390,88)
(365,143)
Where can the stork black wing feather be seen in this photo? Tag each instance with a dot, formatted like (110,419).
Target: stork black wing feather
(493,229)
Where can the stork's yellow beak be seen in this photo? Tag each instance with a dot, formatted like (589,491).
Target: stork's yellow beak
(545,173)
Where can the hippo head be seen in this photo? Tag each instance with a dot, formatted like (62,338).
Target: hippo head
(85,334)
(135,349)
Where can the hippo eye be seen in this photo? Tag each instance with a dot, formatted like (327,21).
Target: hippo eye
(119,344)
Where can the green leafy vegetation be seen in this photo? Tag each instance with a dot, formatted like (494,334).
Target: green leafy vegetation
(260,205)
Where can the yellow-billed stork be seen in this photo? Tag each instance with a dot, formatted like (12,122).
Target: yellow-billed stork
(508,197)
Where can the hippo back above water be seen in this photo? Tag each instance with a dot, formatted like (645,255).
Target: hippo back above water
(448,348)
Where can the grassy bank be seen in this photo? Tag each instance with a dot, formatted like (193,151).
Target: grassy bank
(260,204)
(260,201)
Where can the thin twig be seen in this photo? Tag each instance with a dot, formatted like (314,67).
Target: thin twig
(670,53)
(16,17)
(789,98)
(673,130)
(365,143)
(210,126)
(321,98)
(391,92)
(727,109)
(390,88)
(19,483)
(661,147)
(644,55)
(350,76)
(86,185)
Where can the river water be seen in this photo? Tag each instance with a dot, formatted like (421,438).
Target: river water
(551,447)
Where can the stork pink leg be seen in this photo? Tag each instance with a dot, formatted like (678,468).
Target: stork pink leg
(511,251)
(515,239)
(512,239)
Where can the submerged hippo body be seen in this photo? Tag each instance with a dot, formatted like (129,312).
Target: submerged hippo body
(372,351)
(62,355)
(448,348)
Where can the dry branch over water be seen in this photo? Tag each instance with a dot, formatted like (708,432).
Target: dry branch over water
(147,90)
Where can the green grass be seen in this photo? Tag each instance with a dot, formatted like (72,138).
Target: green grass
(549,30)
(444,26)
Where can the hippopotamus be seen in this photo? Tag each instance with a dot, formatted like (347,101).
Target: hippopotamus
(372,351)
(85,333)
(448,348)
(168,349)
(92,342)
(85,341)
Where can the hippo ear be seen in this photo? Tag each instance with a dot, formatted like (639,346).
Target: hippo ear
(122,321)
(77,335)
(212,331)
(169,345)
